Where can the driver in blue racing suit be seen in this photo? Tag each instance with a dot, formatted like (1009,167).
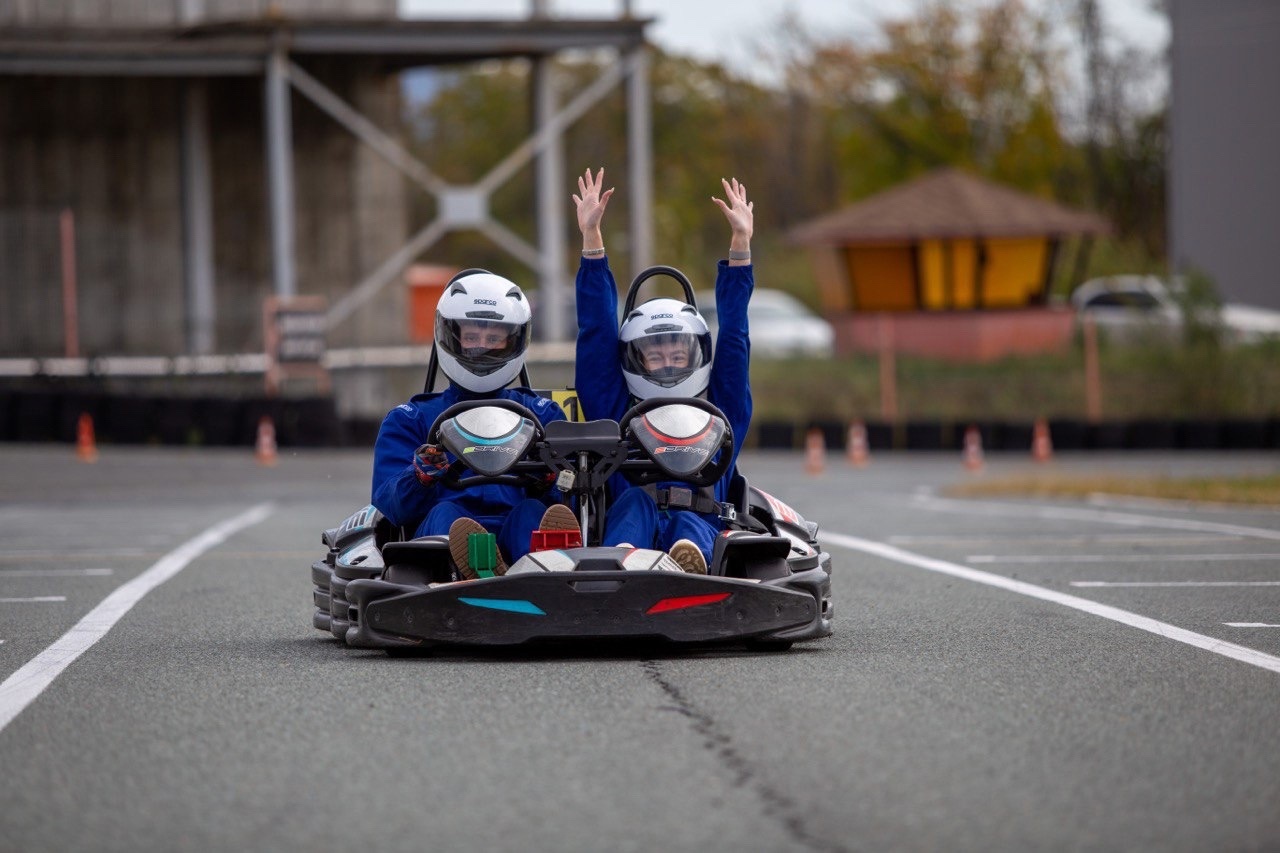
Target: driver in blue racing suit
(664,350)
(481,336)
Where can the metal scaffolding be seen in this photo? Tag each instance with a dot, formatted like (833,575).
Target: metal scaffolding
(272,50)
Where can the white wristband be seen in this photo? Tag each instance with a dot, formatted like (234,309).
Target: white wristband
(735,255)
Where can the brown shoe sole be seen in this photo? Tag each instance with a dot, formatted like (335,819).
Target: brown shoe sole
(459,531)
(558,517)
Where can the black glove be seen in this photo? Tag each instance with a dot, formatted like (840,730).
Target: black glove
(429,463)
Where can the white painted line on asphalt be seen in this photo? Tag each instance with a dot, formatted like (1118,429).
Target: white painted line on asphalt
(1133,620)
(47,554)
(50,573)
(1228,624)
(1094,539)
(1061,513)
(1113,558)
(24,686)
(38,598)
(1174,583)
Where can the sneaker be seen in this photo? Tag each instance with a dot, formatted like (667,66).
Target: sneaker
(689,556)
(558,517)
(459,533)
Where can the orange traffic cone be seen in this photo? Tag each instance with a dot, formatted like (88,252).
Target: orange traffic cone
(86,447)
(857,445)
(265,450)
(973,449)
(815,451)
(1041,443)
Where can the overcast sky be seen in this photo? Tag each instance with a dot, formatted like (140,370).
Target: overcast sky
(725,30)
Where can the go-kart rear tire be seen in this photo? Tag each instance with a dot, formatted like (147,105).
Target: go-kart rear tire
(768,645)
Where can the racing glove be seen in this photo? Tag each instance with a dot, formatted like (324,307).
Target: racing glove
(429,463)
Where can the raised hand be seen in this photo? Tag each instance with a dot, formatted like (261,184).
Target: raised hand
(738,211)
(591,202)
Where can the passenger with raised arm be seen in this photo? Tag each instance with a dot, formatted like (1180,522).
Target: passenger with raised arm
(663,350)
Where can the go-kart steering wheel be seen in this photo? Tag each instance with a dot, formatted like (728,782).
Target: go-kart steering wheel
(705,477)
(453,477)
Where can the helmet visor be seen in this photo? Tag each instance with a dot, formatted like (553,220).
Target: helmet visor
(666,359)
(481,346)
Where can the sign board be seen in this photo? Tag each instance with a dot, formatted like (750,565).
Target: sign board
(294,330)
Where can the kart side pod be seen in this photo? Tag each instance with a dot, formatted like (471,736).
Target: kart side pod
(752,557)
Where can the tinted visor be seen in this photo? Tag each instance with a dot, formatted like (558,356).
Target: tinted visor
(481,346)
(666,359)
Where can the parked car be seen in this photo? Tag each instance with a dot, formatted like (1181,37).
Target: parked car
(1125,306)
(780,324)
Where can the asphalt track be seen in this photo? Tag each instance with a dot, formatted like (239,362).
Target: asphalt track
(1005,675)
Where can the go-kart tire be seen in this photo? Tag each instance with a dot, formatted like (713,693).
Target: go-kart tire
(768,645)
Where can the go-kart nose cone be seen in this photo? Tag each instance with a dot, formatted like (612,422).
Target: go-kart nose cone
(489,439)
(681,439)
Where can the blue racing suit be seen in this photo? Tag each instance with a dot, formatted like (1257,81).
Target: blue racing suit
(508,511)
(602,390)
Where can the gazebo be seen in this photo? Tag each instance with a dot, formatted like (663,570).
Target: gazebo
(949,264)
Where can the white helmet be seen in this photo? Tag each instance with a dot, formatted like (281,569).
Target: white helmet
(649,327)
(474,303)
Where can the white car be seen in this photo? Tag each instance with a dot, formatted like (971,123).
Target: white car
(1126,304)
(780,324)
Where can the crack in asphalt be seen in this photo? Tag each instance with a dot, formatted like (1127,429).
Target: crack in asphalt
(777,805)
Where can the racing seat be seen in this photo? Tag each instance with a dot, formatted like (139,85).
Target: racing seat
(753,515)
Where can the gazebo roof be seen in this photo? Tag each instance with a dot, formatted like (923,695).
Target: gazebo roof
(946,203)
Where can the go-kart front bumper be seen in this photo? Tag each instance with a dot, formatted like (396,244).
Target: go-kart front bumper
(525,608)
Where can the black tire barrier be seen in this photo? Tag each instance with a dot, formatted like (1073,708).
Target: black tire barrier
(216,420)
(1068,434)
(928,435)
(1198,434)
(360,432)
(36,415)
(1015,437)
(879,436)
(127,420)
(1106,435)
(833,433)
(175,421)
(1150,434)
(1244,435)
(773,435)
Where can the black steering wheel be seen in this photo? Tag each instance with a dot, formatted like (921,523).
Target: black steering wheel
(722,457)
(528,473)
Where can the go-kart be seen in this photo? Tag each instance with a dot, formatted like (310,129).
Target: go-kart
(768,583)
